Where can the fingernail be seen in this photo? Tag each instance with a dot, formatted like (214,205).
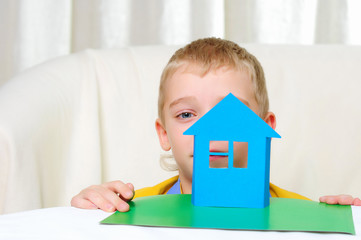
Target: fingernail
(129,194)
(130,185)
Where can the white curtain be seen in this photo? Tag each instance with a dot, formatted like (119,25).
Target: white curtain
(32,31)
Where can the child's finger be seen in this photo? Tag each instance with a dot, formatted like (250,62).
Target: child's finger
(79,202)
(131,188)
(99,200)
(113,199)
(345,199)
(95,195)
(356,202)
(339,199)
(329,199)
(125,191)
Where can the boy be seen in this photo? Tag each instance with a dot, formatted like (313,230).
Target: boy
(195,79)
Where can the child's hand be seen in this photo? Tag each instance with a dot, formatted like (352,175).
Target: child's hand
(109,197)
(341,199)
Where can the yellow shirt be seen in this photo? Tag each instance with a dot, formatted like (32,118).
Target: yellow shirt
(163,187)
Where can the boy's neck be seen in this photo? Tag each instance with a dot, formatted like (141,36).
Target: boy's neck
(186,185)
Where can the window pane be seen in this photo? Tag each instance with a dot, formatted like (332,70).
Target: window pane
(240,154)
(218,154)
(218,161)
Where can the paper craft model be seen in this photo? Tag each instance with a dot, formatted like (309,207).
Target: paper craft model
(232,121)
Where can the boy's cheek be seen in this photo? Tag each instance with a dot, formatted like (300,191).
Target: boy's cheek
(185,143)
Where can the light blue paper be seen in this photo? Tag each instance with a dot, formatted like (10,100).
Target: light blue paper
(231,120)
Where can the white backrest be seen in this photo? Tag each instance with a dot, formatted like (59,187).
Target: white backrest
(89,117)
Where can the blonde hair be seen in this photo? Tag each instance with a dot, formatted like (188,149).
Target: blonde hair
(210,54)
(213,53)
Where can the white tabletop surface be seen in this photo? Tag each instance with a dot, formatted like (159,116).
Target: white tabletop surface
(73,223)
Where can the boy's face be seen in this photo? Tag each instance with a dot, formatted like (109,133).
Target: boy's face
(188,97)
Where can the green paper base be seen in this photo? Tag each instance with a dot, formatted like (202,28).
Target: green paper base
(282,214)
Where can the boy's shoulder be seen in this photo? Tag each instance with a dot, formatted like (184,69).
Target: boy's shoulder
(163,187)
(281,193)
(158,189)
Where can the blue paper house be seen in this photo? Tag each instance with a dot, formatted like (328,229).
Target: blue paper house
(231,121)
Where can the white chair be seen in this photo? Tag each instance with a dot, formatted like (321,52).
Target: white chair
(89,117)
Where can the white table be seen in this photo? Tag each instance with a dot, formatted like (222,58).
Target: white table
(73,223)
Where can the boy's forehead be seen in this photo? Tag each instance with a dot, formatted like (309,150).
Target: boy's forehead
(202,69)
(180,82)
(196,69)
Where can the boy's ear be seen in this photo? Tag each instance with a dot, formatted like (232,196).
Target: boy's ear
(162,135)
(270,119)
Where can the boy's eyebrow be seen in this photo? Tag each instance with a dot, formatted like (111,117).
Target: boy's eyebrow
(182,99)
(192,99)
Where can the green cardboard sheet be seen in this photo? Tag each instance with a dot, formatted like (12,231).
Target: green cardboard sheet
(282,214)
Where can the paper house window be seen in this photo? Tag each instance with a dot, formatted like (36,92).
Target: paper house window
(219,154)
(222,155)
(242,160)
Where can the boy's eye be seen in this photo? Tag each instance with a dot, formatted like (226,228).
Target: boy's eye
(185,115)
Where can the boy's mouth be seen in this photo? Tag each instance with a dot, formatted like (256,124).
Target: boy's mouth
(216,157)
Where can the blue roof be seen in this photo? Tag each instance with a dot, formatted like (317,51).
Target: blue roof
(231,119)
